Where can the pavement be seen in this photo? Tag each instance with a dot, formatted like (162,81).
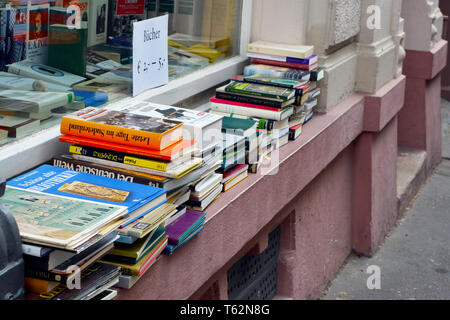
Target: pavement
(413,263)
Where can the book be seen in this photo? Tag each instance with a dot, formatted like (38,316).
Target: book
(103,85)
(18,127)
(301,86)
(39,286)
(215,99)
(234,108)
(33,101)
(122,128)
(175,173)
(173,152)
(265,91)
(181,210)
(35,251)
(146,262)
(233,172)
(314,59)
(280,49)
(67,49)
(142,227)
(98,21)
(126,158)
(57,221)
(171,249)
(282,72)
(262,102)
(38,33)
(180,229)
(107,294)
(205,202)
(200,126)
(82,186)
(235,180)
(15,82)
(295,132)
(51,260)
(290,65)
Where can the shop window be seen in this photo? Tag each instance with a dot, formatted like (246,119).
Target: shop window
(92,39)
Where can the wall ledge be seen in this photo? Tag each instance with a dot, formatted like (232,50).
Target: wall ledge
(426,64)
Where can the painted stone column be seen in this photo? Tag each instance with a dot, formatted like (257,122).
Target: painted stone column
(426,55)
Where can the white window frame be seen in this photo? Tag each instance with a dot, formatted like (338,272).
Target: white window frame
(31,151)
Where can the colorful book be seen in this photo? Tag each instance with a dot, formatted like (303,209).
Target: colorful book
(82,186)
(314,59)
(126,158)
(171,249)
(38,33)
(295,132)
(300,86)
(205,202)
(98,22)
(235,180)
(123,128)
(285,64)
(180,229)
(259,90)
(273,103)
(280,49)
(283,73)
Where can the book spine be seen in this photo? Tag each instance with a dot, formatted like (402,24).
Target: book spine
(290,65)
(98,170)
(248,99)
(32,250)
(118,157)
(45,275)
(110,133)
(252,112)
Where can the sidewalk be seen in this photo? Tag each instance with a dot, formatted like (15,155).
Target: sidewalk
(414,260)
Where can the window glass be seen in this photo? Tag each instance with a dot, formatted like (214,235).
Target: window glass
(51,49)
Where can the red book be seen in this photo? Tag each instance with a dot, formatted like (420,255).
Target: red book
(170,153)
(242,104)
(290,65)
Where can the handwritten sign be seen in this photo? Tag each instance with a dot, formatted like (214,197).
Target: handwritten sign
(150,54)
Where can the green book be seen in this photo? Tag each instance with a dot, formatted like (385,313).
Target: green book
(261,90)
(67,49)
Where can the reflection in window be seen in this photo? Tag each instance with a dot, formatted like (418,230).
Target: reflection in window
(58,56)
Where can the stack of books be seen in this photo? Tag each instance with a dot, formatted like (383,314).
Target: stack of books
(68,221)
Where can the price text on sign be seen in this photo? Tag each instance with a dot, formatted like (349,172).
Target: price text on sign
(150,54)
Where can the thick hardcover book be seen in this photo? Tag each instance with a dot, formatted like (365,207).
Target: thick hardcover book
(291,65)
(314,59)
(280,49)
(126,158)
(260,90)
(68,49)
(123,128)
(67,162)
(77,185)
(228,107)
(221,93)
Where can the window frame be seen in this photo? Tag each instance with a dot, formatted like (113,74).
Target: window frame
(31,151)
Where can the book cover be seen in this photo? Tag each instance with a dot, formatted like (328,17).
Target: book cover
(280,49)
(57,220)
(314,59)
(67,162)
(126,158)
(276,72)
(170,153)
(15,82)
(68,49)
(98,21)
(123,128)
(37,33)
(171,249)
(200,126)
(44,72)
(13,36)
(82,186)
(260,90)
(266,102)
(178,230)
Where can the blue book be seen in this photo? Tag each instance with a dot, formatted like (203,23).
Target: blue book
(139,199)
(91,98)
(170,248)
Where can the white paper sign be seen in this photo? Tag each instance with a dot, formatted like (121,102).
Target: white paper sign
(150,57)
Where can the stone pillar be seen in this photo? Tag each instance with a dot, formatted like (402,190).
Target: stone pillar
(426,56)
